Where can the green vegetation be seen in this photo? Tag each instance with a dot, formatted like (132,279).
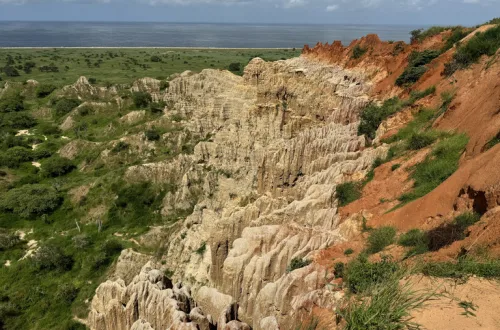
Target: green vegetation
(31,200)
(464,268)
(44,90)
(373,115)
(358,52)
(493,142)
(64,106)
(141,99)
(201,250)
(348,192)
(482,43)
(297,263)
(380,238)
(122,66)
(437,167)
(416,67)
(348,251)
(417,240)
(57,166)
(360,274)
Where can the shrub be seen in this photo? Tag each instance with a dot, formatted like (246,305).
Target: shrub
(85,110)
(360,274)
(155,58)
(15,156)
(66,293)
(152,135)
(491,143)
(49,129)
(31,200)
(234,67)
(96,261)
(348,251)
(39,153)
(483,43)
(297,263)
(380,238)
(157,107)
(201,250)
(57,166)
(338,269)
(457,34)
(82,241)
(92,80)
(395,167)
(141,99)
(44,90)
(10,71)
(417,240)
(49,257)
(8,241)
(421,140)
(164,85)
(64,106)
(417,95)
(348,192)
(17,120)
(12,103)
(358,51)
(111,248)
(120,146)
(373,115)
(411,75)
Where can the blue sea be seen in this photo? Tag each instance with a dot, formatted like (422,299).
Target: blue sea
(118,34)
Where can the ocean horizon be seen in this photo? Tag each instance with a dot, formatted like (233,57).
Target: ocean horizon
(169,34)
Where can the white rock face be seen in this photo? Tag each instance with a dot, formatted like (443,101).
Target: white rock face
(273,146)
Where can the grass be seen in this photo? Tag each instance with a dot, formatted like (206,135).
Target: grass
(123,66)
(437,167)
(360,275)
(482,43)
(380,238)
(417,240)
(463,268)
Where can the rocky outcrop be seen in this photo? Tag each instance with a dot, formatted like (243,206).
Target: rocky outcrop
(272,147)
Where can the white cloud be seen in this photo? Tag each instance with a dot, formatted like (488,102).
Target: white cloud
(332,7)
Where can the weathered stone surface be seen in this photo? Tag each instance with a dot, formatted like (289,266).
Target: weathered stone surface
(273,145)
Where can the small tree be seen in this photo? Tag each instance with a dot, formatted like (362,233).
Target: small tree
(57,166)
(64,106)
(141,99)
(31,200)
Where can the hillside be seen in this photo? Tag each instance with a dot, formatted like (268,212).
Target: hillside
(318,191)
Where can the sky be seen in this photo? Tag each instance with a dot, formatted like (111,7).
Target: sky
(401,12)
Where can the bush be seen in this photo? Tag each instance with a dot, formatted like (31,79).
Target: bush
(112,248)
(421,140)
(15,156)
(92,81)
(457,34)
(85,110)
(416,67)
(49,129)
(12,103)
(164,85)
(66,293)
(82,241)
(360,274)
(358,51)
(297,263)
(49,257)
(44,90)
(348,192)
(483,43)
(120,146)
(338,269)
(57,166)
(64,106)
(395,167)
(31,200)
(157,107)
(348,252)
(493,142)
(380,238)
(141,99)
(17,120)
(417,240)
(234,67)
(411,75)
(39,153)
(152,135)
(201,250)
(8,241)
(96,261)
(155,58)
(10,71)
(373,115)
